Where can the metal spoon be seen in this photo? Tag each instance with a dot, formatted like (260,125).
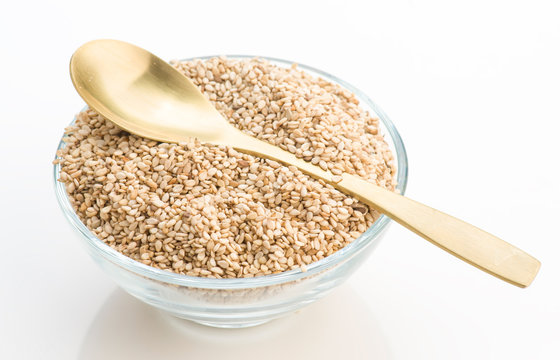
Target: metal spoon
(148,97)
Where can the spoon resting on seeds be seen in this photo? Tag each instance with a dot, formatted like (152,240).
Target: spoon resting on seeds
(148,97)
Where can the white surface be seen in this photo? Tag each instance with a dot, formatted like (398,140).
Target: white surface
(473,89)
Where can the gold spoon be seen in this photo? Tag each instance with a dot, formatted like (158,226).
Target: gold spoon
(148,97)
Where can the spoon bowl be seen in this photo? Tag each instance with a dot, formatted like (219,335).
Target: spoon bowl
(142,93)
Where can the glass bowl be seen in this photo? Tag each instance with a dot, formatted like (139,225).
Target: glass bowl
(246,301)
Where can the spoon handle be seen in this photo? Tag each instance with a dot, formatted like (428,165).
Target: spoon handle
(457,237)
(463,240)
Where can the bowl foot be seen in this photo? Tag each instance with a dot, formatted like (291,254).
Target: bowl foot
(232,325)
(222,323)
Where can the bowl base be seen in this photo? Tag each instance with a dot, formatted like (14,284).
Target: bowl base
(237,325)
(180,321)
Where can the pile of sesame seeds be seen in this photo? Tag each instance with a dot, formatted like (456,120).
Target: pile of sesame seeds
(206,210)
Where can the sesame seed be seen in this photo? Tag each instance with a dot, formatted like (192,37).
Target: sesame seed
(211,211)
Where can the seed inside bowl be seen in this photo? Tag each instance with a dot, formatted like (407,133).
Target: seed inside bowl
(210,211)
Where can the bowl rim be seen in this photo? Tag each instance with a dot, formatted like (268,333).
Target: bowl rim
(371,234)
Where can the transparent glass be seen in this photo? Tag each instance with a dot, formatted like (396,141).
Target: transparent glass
(247,301)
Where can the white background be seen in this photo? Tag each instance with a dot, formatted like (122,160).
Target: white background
(473,88)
